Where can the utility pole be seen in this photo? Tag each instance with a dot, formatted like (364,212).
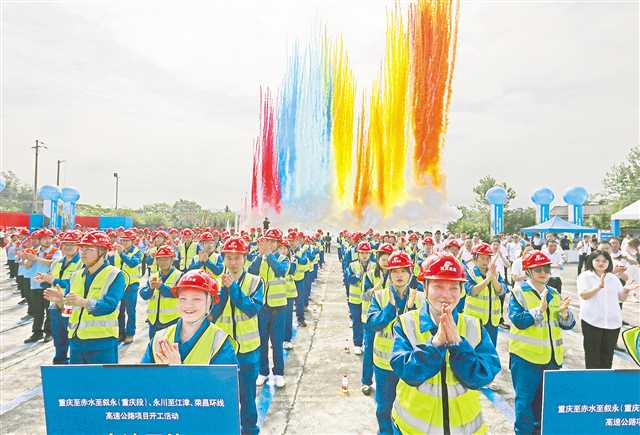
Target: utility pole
(115,175)
(58,172)
(39,144)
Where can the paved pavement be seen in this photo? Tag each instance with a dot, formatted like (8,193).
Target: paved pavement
(312,401)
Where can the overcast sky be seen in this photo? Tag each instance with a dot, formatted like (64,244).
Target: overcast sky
(166,93)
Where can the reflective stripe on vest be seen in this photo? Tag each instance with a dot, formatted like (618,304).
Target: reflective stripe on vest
(419,409)
(355,291)
(204,350)
(484,304)
(383,340)
(534,344)
(246,328)
(186,254)
(212,258)
(56,269)
(292,290)
(275,288)
(83,324)
(162,309)
(368,294)
(133,273)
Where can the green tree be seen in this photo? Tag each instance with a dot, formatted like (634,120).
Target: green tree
(518,218)
(473,220)
(17,196)
(622,181)
(486,183)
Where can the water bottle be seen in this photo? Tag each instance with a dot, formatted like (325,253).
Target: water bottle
(345,384)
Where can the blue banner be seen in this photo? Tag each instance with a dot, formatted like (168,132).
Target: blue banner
(143,399)
(597,402)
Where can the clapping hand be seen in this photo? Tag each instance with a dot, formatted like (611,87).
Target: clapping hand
(543,300)
(167,353)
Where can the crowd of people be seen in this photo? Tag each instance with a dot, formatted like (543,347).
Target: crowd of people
(425,308)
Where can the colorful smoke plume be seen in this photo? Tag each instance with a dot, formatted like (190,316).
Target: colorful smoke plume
(323,150)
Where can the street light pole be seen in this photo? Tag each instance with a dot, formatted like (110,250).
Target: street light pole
(115,175)
(39,144)
(58,172)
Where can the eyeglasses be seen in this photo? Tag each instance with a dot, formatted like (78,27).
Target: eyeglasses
(88,248)
(546,269)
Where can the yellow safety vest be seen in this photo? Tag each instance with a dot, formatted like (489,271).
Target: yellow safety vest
(536,343)
(59,273)
(355,291)
(420,409)
(383,340)
(153,267)
(292,290)
(275,288)
(236,323)
(301,268)
(485,305)
(368,295)
(133,273)
(186,254)
(203,350)
(630,338)
(163,309)
(213,258)
(83,324)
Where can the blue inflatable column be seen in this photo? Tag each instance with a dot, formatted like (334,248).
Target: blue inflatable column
(70,196)
(615,227)
(575,197)
(497,197)
(50,195)
(3,184)
(542,198)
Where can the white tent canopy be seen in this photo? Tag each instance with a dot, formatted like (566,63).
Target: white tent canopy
(632,211)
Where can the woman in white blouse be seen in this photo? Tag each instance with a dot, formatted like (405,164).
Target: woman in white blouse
(600,292)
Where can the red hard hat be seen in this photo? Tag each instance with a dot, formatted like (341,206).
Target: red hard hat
(356,236)
(292,235)
(399,260)
(112,233)
(236,245)
(452,243)
(24,231)
(247,238)
(428,241)
(413,237)
(173,231)
(69,237)
(286,243)
(120,229)
(535,258)
(385,248)
(444,267)
(165,251)
(161,233)
(46,232)
(96,238)
(187,232)
(482,249)
(128,235)
(197,280)
(273,234)
(206,237)
(364,247)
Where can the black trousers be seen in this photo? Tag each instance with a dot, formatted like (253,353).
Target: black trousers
(13,268)
(581,259)
(40,312)
(556,283)
(598,345)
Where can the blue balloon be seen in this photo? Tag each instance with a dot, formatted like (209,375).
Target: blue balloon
(69,194)
(49,192)
(576,195)
(3,184)
(543,196)
(496,195)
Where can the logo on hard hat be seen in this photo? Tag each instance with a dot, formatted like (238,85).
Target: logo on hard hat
(539,257)
(448,266)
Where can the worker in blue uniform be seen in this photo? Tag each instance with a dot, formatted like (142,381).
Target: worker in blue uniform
(128,259)
(193,339)
(538,314)
(442,358)
(94,294)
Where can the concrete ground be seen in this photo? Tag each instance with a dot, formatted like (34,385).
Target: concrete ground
(312,401)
